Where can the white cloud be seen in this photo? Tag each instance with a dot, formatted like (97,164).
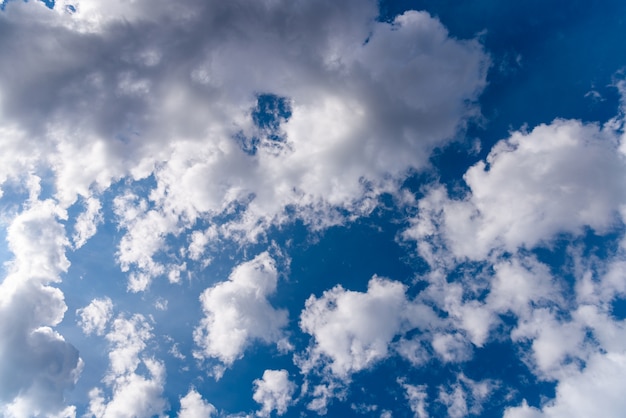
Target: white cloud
(94,317)
(237,313)
(466,396)
(274,392)
(369,101)
(132,394)
(524,193)
(596,390)
(323,394)
(352,330)
(193,406)
(521,284)
(452,348)
(41,364)
(416,395)
(87,222)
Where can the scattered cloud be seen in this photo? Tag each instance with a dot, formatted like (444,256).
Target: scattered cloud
(274,392)
(193,406)
(132,393)
(237,313)
(94,317)
(352,330)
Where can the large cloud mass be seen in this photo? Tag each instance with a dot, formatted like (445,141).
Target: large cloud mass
(364,102)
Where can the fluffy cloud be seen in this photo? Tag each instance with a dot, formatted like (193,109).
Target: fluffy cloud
(94,317)
(193,406)
(87,222)
(352,330)
(40,363)
(132,394)
(597,390)
(367,100)
(523,195)
(558,179)
(274,392)
(237,313)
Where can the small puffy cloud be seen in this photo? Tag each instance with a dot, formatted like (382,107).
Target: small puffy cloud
(323,394)
(193,406)
(521,284)
(455,401)
(94,317)
(352,330)
(238,313)
(87,222)
(465,396)
(452,348)
(274,392)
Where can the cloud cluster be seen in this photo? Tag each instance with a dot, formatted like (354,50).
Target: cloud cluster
(367,100)
(556,179)
(560,180)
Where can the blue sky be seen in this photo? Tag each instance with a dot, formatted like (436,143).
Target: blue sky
(274,208)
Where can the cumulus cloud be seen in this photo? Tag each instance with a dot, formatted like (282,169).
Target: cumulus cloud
(94,317)
(597,390)
(523,195)
(37,364)
(367,100)
(274,392)
(352,330)
(561,179)
(132,393)
(237,313)
(193,406)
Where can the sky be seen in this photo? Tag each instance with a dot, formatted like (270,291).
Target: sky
(312,208)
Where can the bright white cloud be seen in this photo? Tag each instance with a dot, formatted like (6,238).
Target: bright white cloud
(87,222)
(238,313)
(41,364)
(524,193)
(274,392)
(352,330)
(597,390)
(193,406)
(559,178)
(465,396)
(132,393)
